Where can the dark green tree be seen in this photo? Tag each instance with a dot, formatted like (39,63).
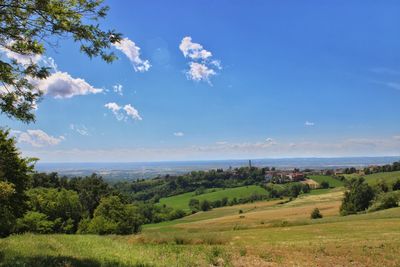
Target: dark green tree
(114,217)
(316,214)
(205,205)
(194,205)
(14,179)
(26,26)
(357,198)
(60,206)
(324,184)
(396,185)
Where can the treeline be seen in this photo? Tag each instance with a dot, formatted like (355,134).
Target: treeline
(291,190)
(384,168)
(169,185)
(362,197)
(47,203)
(54,204)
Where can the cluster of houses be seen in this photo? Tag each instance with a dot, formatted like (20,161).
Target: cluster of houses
(281,177)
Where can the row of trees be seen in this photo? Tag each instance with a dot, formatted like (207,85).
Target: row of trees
(165,186)
(384,168)
(361,197)
(47,203)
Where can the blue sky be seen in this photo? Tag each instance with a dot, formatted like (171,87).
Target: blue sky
(268,79)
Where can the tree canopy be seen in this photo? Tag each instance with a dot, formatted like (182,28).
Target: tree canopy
(27,28)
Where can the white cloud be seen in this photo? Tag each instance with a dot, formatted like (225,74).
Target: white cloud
(132,51)
(179,134)
(21,59)
(193,50)
(62,85)
(38,138)
(201,66)
(199,72)
(132,112)
(117,88)
(308,123)
(80,129)
(118,111)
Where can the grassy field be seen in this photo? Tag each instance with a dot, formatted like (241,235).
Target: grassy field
(267,233)
(182,201)
(332,181)
(372,179)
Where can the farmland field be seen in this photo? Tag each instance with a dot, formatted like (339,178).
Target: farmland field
(267,233)
(181,201)
(388,177)
(332,181)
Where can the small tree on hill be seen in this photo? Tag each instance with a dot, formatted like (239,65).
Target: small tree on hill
(324,184)
(205,205)
(316,214)
(357,198)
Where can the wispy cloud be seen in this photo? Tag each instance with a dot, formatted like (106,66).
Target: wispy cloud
(179,134)
(309,123)
(305,148)
(393,85)
(37,138)
(123,112)
(386,71)
(117,88)
(80,129)
(132,51)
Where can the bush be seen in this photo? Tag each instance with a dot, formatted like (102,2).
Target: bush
(396,185)
(194,205)
(205,205)
(114,217)
(35,222)
(385,201)
(357,198)
(324,184)
(315,214)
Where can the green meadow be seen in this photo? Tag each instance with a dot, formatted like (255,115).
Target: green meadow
(332,181)
(267,233)
(182,201)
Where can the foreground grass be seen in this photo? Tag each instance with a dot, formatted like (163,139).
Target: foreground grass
(269,233)
(182,201)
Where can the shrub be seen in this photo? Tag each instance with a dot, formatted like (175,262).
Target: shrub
(396,185)
(324,184)
(205,205)
(194,205)
(385,201)
(316,214)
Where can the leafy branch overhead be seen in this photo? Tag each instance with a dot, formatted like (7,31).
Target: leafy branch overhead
(27,27)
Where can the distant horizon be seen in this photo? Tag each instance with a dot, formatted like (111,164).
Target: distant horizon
(208,160)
